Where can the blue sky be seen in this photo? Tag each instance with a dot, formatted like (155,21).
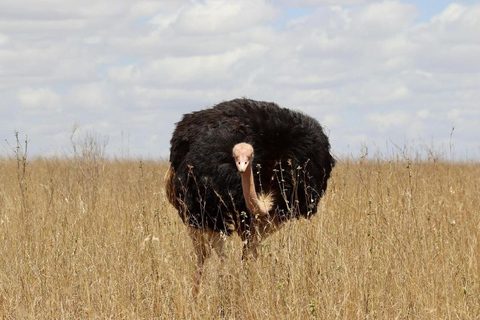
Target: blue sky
(430,8)
(375,73)
(426,8)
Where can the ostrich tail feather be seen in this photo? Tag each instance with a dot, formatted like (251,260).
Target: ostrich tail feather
(170,187)
(265,202)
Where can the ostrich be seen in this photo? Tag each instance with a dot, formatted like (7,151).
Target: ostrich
(245,167)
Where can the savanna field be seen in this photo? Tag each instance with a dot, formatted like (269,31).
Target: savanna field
(90,237)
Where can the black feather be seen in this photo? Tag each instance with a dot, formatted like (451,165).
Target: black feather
(292,160)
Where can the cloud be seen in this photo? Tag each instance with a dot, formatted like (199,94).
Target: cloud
(366,69)
(423,114)
(198,69)
(39,100)
(322,2)
(387,120)
(447,42)
(3,39)
(220,16)
(383,19)
(330,120)
(451,14)
(95,97)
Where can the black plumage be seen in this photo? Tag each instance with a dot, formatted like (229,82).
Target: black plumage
(292,161)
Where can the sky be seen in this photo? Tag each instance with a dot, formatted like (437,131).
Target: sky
(379,76)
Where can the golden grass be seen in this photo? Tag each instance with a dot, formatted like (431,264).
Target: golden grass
(90,238)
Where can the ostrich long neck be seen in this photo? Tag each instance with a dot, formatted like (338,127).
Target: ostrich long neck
(254,205)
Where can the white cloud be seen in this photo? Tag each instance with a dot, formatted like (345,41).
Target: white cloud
(95,96)
(200,68)
(40,100)
(383,18)
(449,42)
(128,73)
(322,2)
(330,120)
(423,114)
(365,69)
(93,40)
(387,120)
(451,14)
(454,114)
(222,16)
(3,39)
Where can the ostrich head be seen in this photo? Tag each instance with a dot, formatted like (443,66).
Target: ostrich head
(243,154)
(257,204)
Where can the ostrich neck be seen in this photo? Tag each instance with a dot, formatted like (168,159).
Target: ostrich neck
(249,193)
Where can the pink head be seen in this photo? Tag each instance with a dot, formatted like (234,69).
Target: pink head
(243,155)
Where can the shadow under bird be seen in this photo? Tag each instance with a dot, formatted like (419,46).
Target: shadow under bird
(245,167)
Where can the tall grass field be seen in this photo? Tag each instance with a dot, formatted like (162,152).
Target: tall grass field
(89,237)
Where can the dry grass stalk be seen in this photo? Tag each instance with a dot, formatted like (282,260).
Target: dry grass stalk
(392,239)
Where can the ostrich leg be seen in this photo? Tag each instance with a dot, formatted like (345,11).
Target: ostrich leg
(201,253)
(203,241)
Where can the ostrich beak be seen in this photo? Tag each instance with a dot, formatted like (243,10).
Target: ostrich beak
(242,165)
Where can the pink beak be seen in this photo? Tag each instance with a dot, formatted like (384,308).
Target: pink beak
(242,165)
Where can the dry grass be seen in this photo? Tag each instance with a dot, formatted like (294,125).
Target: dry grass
(90,238)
